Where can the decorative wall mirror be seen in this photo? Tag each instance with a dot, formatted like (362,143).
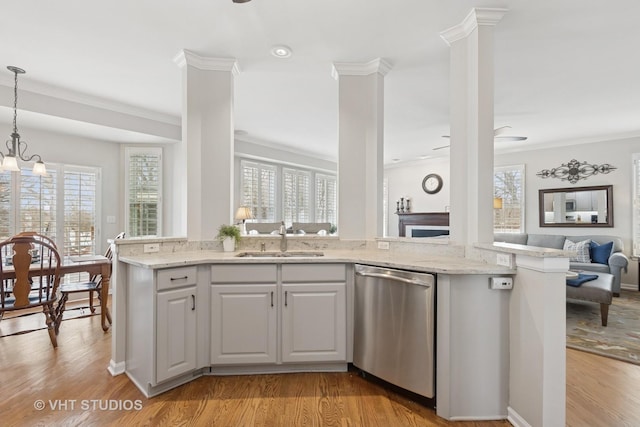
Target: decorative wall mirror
(576,206)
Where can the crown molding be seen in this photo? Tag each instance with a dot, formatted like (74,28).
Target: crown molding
(378,65)
(477,17)
(60,93)
(186,57)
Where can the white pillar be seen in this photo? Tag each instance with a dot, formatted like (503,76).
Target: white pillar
(360,152)
(205,178)
(471,105)
(537,342)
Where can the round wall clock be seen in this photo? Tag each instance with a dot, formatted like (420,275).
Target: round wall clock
(432,183)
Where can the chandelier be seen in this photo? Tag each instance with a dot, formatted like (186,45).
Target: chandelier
(17,148)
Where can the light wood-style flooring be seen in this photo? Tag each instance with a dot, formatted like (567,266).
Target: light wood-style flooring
(75,389)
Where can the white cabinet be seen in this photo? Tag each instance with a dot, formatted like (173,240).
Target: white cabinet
(175,332)
(243,314)
(583,201)
(161,327)
(314,322)
(278,313)
(314,313)
(243,324)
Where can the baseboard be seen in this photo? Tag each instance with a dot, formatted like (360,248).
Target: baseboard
(116,368)
(515,419)
(628,287)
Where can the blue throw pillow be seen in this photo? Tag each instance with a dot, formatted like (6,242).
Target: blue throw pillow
(601,253)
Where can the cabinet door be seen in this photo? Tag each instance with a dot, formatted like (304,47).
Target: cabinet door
(175,333)
(243,324)
(314,322)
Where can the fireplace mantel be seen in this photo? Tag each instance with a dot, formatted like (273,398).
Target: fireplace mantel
(421,218)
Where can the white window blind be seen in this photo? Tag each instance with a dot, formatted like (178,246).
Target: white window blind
(508,193)
(80,198)
(38,197)
(636,205)
(258,190)
(64,205)
(6,216)
(296,196)
(143,177)
(326,198)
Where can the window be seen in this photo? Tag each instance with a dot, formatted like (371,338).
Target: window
(37,206)
(258,190)
(143,191)
(508,193)
(62,205)
(296,196)
(304,195)
(636,205)
(326,198)
(80,199)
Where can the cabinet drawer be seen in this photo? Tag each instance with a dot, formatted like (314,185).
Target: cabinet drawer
(176,277)
(244,273)
(313,273)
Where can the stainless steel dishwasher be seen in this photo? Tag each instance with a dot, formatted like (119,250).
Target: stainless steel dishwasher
(394,327)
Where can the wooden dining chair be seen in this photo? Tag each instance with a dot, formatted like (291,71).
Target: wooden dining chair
(93,286)
(29,277)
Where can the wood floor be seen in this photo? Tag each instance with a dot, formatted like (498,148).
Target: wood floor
(73,385)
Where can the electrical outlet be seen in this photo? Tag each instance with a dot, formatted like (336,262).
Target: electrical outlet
(151,247)
(501,283)
(503,259)
(383,245)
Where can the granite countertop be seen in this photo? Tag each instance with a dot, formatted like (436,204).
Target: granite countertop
(382,258)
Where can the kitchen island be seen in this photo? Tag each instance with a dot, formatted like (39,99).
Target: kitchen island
(182,314)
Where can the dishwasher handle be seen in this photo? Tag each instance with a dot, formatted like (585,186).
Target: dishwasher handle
(396,278)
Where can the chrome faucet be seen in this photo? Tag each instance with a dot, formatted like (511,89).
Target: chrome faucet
(283,240)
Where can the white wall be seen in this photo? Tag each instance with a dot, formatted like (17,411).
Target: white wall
(406,181)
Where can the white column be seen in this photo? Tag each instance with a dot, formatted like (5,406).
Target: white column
(537,342)
(471,109)
(360,153)
(205,178)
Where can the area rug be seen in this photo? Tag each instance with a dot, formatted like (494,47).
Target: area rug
(620,339)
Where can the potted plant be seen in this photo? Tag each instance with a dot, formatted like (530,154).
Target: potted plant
(228,235)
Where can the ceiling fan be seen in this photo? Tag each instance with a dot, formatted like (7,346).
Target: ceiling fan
(498,135)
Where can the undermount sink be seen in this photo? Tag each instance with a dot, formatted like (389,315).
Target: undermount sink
(280,254)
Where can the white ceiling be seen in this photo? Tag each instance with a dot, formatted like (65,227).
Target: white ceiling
(565,71)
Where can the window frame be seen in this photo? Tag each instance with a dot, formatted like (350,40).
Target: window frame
(150,151)
(522,171)
(15,214)
(279,200)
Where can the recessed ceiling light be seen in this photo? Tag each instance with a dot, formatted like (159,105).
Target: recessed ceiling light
(241,1)
(281,51)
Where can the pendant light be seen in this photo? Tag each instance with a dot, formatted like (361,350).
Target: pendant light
(17,148)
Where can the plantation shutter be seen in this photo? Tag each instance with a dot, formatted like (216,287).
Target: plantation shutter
(6,216)
(296,196)
(636,205)
(258,190)
(80,197)
(37,204)
(326,198)
(144,191)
